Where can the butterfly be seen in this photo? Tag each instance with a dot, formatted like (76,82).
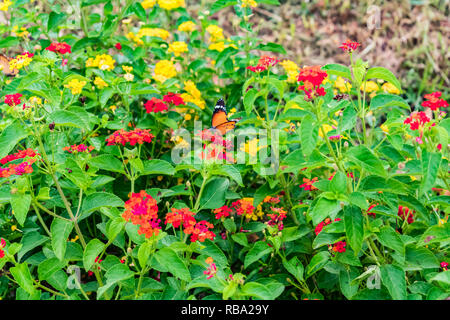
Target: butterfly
(4,62)
(220,120)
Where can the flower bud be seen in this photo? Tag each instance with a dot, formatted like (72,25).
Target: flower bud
(51,126)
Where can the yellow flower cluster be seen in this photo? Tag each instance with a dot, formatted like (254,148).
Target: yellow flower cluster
(251,147)
(22,33)
(177,48)
(291,69)
(171,4)
(102,61)
(35,101)
(76,86)
(148,32)
(128,75)
(164,69)
(390,88)
(249,3)
(193,94)
(216,33)
(19,62)
(100,83)
(187,26)
(146,4)
(370,86)
(255,214)
(5,5)
(342,85)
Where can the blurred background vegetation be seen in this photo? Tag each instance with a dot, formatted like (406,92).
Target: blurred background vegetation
(409,37)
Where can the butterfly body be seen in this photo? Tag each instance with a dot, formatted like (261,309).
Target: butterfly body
(4,62)
(220,120)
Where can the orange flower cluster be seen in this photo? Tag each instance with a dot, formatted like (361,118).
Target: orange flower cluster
(142,210)
(185,218)
(17,169)
(308,184)
(312,78)
(78,148)
(136,136)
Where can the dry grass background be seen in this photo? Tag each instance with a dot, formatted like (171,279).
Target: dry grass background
(412,38)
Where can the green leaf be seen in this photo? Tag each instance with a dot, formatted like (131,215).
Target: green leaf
(213,196)
(259,250)
(107,162)
(295,267)
(229,290)
(54,20)
(389,238)
(60,230)
(92,250)
(114,227)
(365,158)
(272,47)
(22,275)
(339,183)
(385,74)
(393,279)
(229,171)
(430,166)
(317,263)
(434,234)
(249,100)
(221,4)
(30,241)
(169,259)
(354,227)
(144,253)
(338,70)
(119,272)
(309,134)
(210,249)
(258,290)
(345,279)
(98,200)
(10,136)
(240,238)
(442,278)
(157,166)
(384,100)
(20,204)
(67,118)
(48,267)
(324,208)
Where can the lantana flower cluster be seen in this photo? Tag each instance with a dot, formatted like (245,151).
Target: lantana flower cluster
(136,136)
(142,210)
(199,230)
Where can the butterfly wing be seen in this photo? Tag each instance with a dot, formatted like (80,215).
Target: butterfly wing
(4,62)
(225,127)
(219,118)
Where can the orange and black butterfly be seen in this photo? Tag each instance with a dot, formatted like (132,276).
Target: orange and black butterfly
(4,62)
(220,120)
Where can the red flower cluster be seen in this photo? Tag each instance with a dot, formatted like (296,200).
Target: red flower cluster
(308,184)
(142,210)
(17,169)
(215,146)
(434,101)
(58,47)
(136,136)
(263,64)
(324,223)
(19,155)
(223,211)
(2,245)
(277,217)
(78,148)
(13,99)
(212,269)
(155,105)
(198,230)
(444,265)
(312,78)
(416,120)
(369,213)
(243,206)
(90,273)
(174,98)
(406,213)
(179,217)
(339,246)
(349,46)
